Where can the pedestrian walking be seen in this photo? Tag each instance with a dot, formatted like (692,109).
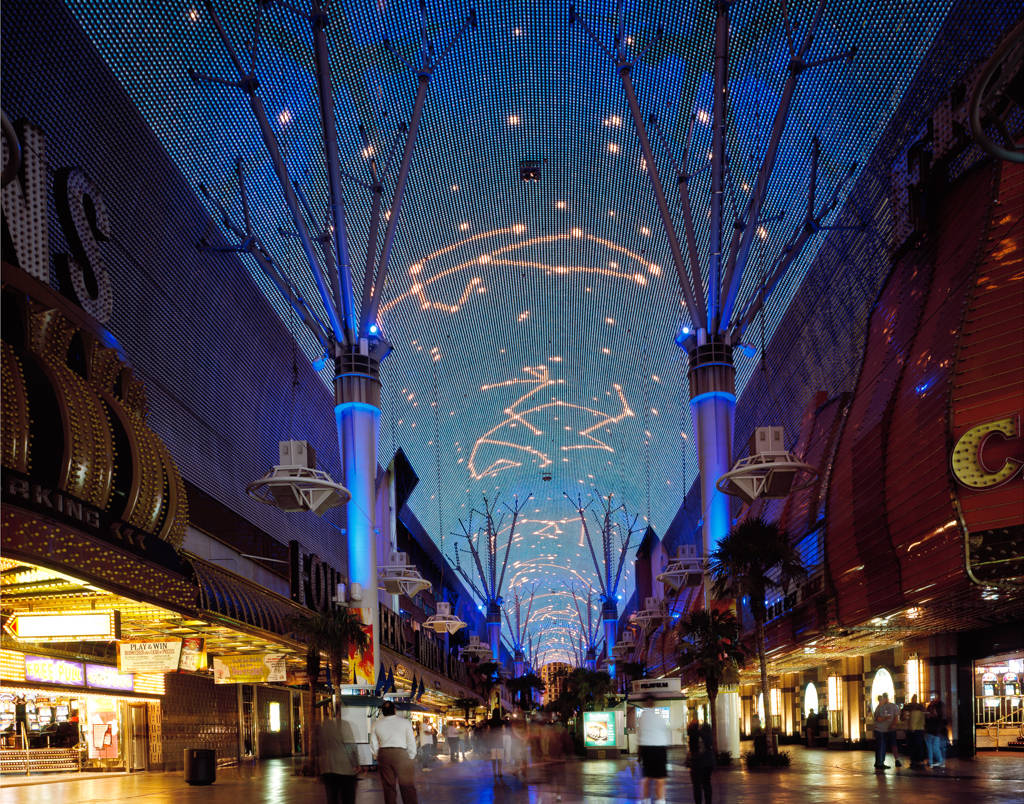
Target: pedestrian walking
(702,758)
(887,717)
(496,747)
(653,738)
(915,731)
(452,736)
(935,731)
(394,745)
(339,763)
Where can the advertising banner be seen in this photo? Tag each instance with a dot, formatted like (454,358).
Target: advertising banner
(599,729)
(148,655)
(249,668)
(363,662)
(105,677)
(193,654)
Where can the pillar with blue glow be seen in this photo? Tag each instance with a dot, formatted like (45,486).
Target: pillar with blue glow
(610,616)
(494,628)
(357,415)
(713,406)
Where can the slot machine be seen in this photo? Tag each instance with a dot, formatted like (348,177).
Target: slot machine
(31,718)
(61,712)
(44,712)
(7,712)
(1011,689)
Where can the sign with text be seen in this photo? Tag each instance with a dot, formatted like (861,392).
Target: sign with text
(657,686)
(148,655)
(249,668)
(47,670)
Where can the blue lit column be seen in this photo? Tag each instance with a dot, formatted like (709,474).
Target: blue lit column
(494,629)
(357,414)
(610,616)
(713,407)
(518,664)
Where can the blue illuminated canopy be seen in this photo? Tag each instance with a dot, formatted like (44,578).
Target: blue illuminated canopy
(531,300)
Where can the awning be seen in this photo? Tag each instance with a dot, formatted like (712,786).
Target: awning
(235,598)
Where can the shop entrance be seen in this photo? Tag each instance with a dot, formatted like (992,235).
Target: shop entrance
(137,738)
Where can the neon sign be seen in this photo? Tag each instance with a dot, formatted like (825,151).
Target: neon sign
(967,460)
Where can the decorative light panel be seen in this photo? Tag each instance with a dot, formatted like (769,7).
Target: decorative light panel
(541,308)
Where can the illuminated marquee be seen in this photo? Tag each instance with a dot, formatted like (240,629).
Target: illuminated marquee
(99,625)
(968,462)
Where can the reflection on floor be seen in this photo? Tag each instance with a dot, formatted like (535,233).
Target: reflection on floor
(815,776)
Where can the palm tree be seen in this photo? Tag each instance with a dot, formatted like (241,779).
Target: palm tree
(523,687)
(710,642)
(467,705)
(487,679)
(335,633)
(752,560)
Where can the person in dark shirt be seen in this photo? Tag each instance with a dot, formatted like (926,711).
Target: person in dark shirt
(702,758)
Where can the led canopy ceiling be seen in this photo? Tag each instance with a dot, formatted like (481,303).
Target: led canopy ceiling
(530,300)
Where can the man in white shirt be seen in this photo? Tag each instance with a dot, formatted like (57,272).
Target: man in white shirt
(653,737)
(887,718)
(394,746)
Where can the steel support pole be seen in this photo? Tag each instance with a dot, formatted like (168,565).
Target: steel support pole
(372,295)
(694,304)
(717,162)
(318,19)
(292,202)
(357,415)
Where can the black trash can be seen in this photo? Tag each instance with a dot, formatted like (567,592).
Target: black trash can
(200,765)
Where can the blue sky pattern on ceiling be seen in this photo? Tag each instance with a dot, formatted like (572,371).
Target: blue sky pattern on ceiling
(533,323)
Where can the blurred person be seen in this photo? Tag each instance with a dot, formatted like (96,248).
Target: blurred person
(702,758)
(339,764)
(394,746)
(915,731)
(495,743)
(653,739)
(887,718)
(811,729)
(452,735)
(935,731)
(426,745)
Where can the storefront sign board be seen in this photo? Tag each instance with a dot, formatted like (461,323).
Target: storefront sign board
(249,668)
(148,655)
(47,670)
(105,677)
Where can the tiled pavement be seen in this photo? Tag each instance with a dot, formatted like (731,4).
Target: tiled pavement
(815,776)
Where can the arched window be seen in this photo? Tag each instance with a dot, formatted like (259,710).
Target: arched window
(810,699)
(882,683)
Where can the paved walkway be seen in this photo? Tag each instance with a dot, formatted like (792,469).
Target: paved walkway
(815,776)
